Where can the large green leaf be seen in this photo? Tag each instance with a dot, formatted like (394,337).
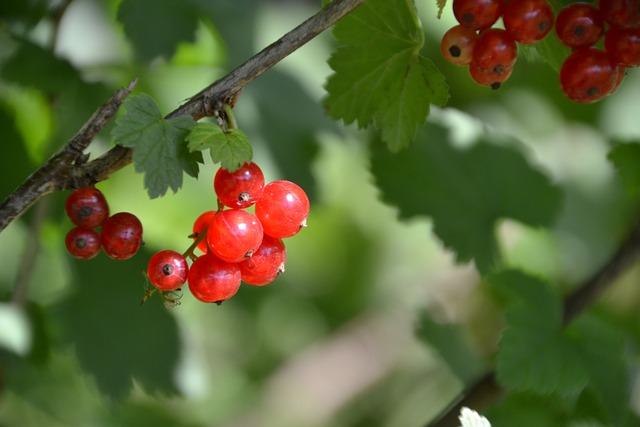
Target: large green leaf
(626,158)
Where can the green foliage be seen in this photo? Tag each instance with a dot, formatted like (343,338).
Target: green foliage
(156,27)
(380,77)
(626,159)
(159,148)
(231,148)
(465,192)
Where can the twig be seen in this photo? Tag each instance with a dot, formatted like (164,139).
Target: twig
(486,391)
(58,173)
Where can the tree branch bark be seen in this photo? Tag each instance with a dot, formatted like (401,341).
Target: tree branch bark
(62,171)
(486,390)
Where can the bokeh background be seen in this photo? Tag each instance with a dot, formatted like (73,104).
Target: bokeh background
(333,341)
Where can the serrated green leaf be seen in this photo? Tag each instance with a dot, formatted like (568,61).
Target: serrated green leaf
(231,149)
(159,149)
(626,159)
(379,76)
(535,354)
(465,192)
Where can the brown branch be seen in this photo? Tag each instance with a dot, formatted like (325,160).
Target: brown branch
(485,390)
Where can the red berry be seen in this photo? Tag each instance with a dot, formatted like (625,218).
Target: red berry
(213,280)
(234,235)
(265,265)
(457,45)
(239,189)
(492,77)
(588,75)
(493,58)
(87,207)
(82,243)
(579,25)
(283,209)
(623,46)
(167,270)
(121,235)
(202,223)
(621,13)
(619,78)
(477,14)
(527,21)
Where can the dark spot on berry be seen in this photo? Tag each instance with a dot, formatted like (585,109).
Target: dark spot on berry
(455,51)
(498,69)
(496,85)
(543,25)
(85,211)
(592,91)
(167,269)
(80,242)
(579,31)
(244,197)
(468,18)
(219,302)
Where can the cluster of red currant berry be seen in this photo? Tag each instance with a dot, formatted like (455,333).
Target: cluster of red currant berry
(121,234)
(236,245)
(587,75)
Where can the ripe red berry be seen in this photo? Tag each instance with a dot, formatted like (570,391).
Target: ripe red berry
(579,25)
(621,13)
(493,58)
(167,270)
(527,21)
(87,207)
(492,77)
(265,265)
(477,14)
(457,45)
(623,46)
(213,280)
(202,223)
(283,209)
(588,75)
(239,189)
(234,235)
(82,243)
(121,236)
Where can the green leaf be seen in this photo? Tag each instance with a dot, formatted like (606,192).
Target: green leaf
(465,192)
(156,27)
(231,149)
(379,77)
(158,144)
(626,158)
(535,354)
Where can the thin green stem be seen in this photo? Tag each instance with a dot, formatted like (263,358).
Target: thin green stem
(231,119)
(189,252)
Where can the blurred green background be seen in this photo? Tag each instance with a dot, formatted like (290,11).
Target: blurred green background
(332,342)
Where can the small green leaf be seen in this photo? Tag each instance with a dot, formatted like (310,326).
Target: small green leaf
(626,158)
(159,150)
(231,149)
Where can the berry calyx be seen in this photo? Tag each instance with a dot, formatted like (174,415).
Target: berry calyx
(201,224)
(121,236)
(265,265)
(167,270)
(477,14)
(87,207)
(82,243)
(213,280)
(283,209)
(588,75)
(234,235)
(457,45)
(579,25)
(623,46)
(241,188)
(621,13)
(527,21)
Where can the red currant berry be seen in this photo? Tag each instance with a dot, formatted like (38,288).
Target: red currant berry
(495,47)
(527,21)
(201,224)
(87,207)
(621,13)
(265,265)
(492,77)
(619,78)
(213,280)
(167,270)
(239,189)
(82,243)
(283,209)
(477,14)
(579,25)
(234,235)
(623,46)
(121,236)
(588,75)
(457,45)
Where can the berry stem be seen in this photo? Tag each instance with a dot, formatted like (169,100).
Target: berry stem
(189,252)
(231,119)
